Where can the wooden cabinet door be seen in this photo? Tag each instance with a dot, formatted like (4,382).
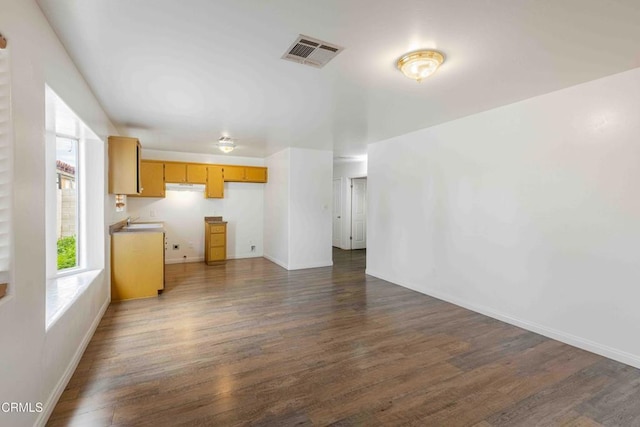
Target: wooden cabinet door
(196,174)
(234,173)
(124,165)
(255,174)
(217,254)
(137,265)
(175,172)
(215,243)
(152,176)
(215,182)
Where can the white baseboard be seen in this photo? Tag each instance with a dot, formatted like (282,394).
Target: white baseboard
(567,338)
(71,368)
(277,261)
(184,260)
(245,255)
(201,259)
(298,266)
(311,265)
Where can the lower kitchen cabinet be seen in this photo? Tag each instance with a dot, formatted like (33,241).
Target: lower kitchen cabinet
(137,265)
(215,241)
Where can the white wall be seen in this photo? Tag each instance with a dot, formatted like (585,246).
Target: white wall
(345,171)
(34,363)
(310,208)
(298,208)
(350,168)
(183,215)
(183,212)
(276,208)
(528,213)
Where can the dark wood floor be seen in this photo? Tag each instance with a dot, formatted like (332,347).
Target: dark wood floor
(248,343)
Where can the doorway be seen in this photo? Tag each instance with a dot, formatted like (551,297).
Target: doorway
(358,213)
(337,213)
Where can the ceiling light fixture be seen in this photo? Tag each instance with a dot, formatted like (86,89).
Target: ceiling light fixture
(420,64)
(226,144)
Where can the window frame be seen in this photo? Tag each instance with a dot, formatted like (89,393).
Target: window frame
(79,143)
(6,144)
(64,287)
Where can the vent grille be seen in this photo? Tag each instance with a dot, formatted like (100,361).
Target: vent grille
(309,42)
(301,50)
(325,47)
(309,51)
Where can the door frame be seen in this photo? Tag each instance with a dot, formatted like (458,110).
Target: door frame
(350,198)
(340,214)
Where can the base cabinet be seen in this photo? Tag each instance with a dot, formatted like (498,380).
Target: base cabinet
(215,242)
(137,265)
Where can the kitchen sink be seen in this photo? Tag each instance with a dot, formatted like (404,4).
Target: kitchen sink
(143,226)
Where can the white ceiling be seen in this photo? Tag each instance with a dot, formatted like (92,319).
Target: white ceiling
(179,74)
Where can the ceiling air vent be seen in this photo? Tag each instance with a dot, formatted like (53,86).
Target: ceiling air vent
(309,51)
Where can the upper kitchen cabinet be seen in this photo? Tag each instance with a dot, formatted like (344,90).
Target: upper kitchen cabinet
(124,165)
(196,174)
(215,182)
(179,173)
(255,174)
(233,173)
(175,172)
(155,174)
(152,177)
(245,174)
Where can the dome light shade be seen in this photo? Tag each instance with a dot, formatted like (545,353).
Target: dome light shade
(226,144)
(420,64)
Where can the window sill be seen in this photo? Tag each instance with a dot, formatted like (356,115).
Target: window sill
(63,291)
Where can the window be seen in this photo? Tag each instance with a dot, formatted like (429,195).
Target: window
(75,159)
(68,197)
(67,213)
(5,172)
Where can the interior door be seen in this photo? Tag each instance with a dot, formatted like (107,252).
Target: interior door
(358,213)
(337,212)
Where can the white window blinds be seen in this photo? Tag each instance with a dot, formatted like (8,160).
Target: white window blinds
(6,157)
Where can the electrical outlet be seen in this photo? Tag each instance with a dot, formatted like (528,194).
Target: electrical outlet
(176,247)
(253,248)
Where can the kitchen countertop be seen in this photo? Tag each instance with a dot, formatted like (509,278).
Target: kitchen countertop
(120,227)
(214,220)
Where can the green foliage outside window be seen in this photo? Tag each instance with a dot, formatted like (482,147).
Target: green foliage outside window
(66,252)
